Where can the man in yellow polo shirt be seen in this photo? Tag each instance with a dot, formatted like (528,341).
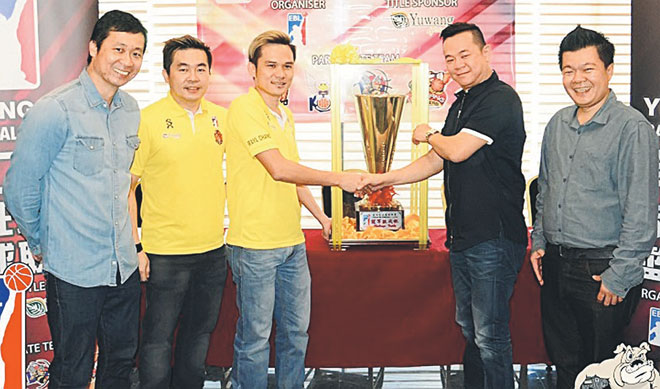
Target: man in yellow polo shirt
(265,188)
(179,165)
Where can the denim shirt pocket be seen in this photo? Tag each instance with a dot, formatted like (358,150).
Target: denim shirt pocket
(133,141)
(88,155)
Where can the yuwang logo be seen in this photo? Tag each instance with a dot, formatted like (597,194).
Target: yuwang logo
(16,280)
(297,28)
(19,68)
(400,20)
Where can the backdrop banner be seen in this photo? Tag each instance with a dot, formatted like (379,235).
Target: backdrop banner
(645,96)
(380,29)
(44,45)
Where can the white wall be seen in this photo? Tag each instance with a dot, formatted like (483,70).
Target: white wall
(540,26)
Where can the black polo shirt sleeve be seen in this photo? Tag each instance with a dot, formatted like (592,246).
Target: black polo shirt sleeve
(492,116)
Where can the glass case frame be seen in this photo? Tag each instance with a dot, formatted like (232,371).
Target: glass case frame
(419,114)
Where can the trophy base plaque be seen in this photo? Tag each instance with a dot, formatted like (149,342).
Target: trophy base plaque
(389,218)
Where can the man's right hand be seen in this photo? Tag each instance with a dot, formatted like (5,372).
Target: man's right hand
(372,182)
(143,266)
(350,182)
(537,264)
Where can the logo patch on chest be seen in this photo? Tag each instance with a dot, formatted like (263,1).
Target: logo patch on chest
(216,134)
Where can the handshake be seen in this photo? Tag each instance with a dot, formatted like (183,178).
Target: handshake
(362,183)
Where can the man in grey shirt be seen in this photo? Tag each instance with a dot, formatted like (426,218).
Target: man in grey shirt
(596,210)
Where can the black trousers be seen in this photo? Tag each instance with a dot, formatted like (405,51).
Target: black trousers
(578,329)
(79,319)
(183,290)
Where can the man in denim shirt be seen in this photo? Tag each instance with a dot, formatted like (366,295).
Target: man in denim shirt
(596,219)
(67,188)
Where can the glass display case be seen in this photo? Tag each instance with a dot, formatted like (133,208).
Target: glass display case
(371,102)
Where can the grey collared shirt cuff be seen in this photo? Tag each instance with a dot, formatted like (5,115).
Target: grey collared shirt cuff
(613,284)
(537,244)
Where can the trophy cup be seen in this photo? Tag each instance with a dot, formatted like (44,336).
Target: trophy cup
(379,102)
(379,117)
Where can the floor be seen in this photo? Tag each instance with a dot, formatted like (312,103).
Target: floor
(441,377)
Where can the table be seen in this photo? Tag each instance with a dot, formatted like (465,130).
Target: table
(388,306)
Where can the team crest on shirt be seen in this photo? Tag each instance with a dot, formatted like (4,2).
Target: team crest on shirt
(216,134)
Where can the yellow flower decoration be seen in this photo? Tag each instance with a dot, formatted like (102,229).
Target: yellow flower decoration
(345,53)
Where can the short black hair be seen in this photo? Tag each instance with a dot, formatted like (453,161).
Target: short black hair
(118,21)
(459,27)
(183,43)
(581,38)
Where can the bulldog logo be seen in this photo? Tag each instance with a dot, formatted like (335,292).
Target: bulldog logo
(628,369)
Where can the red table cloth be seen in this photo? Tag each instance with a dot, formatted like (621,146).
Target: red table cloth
(388,306)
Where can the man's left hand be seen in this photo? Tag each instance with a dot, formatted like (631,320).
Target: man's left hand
(419,135)
(326,226)
(606,297)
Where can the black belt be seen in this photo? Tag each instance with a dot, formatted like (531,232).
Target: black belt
(577,253)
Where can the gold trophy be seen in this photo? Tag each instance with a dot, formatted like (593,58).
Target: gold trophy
(379,116)
(379,110)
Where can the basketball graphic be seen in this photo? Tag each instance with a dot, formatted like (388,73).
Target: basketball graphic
(18,277)
(16,280)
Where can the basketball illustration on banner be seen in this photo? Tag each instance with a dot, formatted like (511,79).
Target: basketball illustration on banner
(16,280)
(18,277)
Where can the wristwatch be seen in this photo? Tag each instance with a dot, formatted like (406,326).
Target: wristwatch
(138,247)
(431,132)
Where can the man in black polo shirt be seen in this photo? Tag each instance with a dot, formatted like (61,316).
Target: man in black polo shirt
(480,150)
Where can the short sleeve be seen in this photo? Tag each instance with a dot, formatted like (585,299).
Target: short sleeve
(493,114)
(249,125)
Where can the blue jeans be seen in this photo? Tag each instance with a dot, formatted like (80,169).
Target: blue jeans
(189,287)
(79,318)
(270,284)
(483,277)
